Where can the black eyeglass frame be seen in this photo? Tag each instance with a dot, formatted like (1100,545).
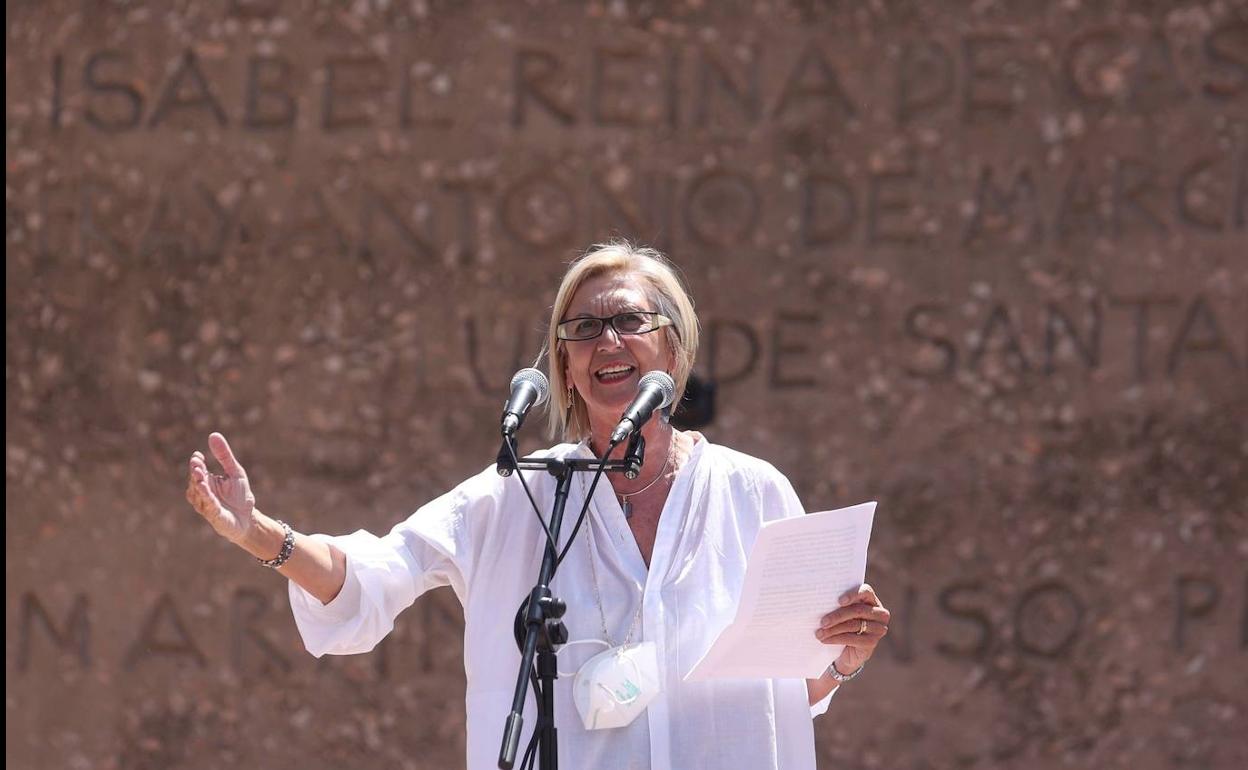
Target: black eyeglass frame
(660,321)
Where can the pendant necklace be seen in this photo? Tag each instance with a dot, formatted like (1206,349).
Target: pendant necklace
(625,504)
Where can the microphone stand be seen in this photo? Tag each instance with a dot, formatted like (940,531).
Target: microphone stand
(538,627)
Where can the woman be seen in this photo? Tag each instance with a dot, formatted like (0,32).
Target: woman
(662,556)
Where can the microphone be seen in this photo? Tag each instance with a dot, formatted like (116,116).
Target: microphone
(528,388)
(655,391)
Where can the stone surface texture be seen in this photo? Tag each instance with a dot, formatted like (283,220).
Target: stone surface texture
(985,262)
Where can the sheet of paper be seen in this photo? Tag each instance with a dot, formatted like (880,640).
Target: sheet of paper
(797,570)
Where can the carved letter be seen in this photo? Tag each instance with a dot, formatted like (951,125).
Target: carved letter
(72,638)
(914,321)
(713,77)
(728,197)
(1077,75)
(1132,180)
(601,82)
(924,79)
(1077,208)
(1000,101)
(533,70)
(1188,606)
(671,89)
(1221,49)
(368,76)
(91,236)
(1142,307)
(1057,322)
(622,215)
(266,78)
(1000,317)
(886,197)
(1154,81)
(538,210)
(1211,341)
(227,221)
(994,207)
(826,90)
(249,604)
(164,237)
(313,224)
(816,232)
(781,349)
(467,194)
(950,601)
(201,95)
(121,89)
(714,347)
(147,643)
(406,119)
(1058,624)
(1182,199)
(58,75)
(374,201)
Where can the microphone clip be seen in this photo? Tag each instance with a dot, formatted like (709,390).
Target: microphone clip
(634,455)
(503,464)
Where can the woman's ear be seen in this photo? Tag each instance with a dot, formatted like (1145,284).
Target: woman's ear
(568,383)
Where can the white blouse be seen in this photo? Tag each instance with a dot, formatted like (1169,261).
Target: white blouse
(481,538)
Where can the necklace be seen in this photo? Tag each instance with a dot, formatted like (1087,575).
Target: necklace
(602,613)
(625,504)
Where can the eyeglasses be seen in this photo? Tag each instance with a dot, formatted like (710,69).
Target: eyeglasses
(635,322)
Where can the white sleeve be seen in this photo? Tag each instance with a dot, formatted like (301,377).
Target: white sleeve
(385,575)
(776,496)
(822,706)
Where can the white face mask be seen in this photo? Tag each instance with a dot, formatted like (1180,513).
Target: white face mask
(612,688)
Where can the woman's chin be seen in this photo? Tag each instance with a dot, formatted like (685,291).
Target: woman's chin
(605,407)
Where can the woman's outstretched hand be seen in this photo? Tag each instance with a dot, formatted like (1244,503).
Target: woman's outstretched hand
(225,500)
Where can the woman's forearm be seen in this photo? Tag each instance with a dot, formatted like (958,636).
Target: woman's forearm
(317,567)
(818,689)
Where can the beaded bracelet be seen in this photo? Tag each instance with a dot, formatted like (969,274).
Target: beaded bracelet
(288,547)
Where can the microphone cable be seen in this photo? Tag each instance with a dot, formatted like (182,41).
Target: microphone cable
(515,463)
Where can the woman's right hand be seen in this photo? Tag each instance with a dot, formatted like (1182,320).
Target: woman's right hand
(225,500)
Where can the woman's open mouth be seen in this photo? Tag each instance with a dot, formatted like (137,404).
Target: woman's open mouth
(614,373)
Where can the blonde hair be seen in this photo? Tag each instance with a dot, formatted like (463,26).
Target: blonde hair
(569,418)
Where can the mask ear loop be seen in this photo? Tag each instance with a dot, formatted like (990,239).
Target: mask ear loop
(580,641)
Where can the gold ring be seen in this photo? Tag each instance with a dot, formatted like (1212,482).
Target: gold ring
(862,629)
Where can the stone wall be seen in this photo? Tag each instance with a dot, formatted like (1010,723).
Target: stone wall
(983,262)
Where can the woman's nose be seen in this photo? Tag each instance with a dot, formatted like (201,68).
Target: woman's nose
(609,339)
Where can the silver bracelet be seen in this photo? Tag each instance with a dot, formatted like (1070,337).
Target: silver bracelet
(842,678)
(288,547)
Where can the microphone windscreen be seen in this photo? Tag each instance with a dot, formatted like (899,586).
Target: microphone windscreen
(664,382)
(537,380)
